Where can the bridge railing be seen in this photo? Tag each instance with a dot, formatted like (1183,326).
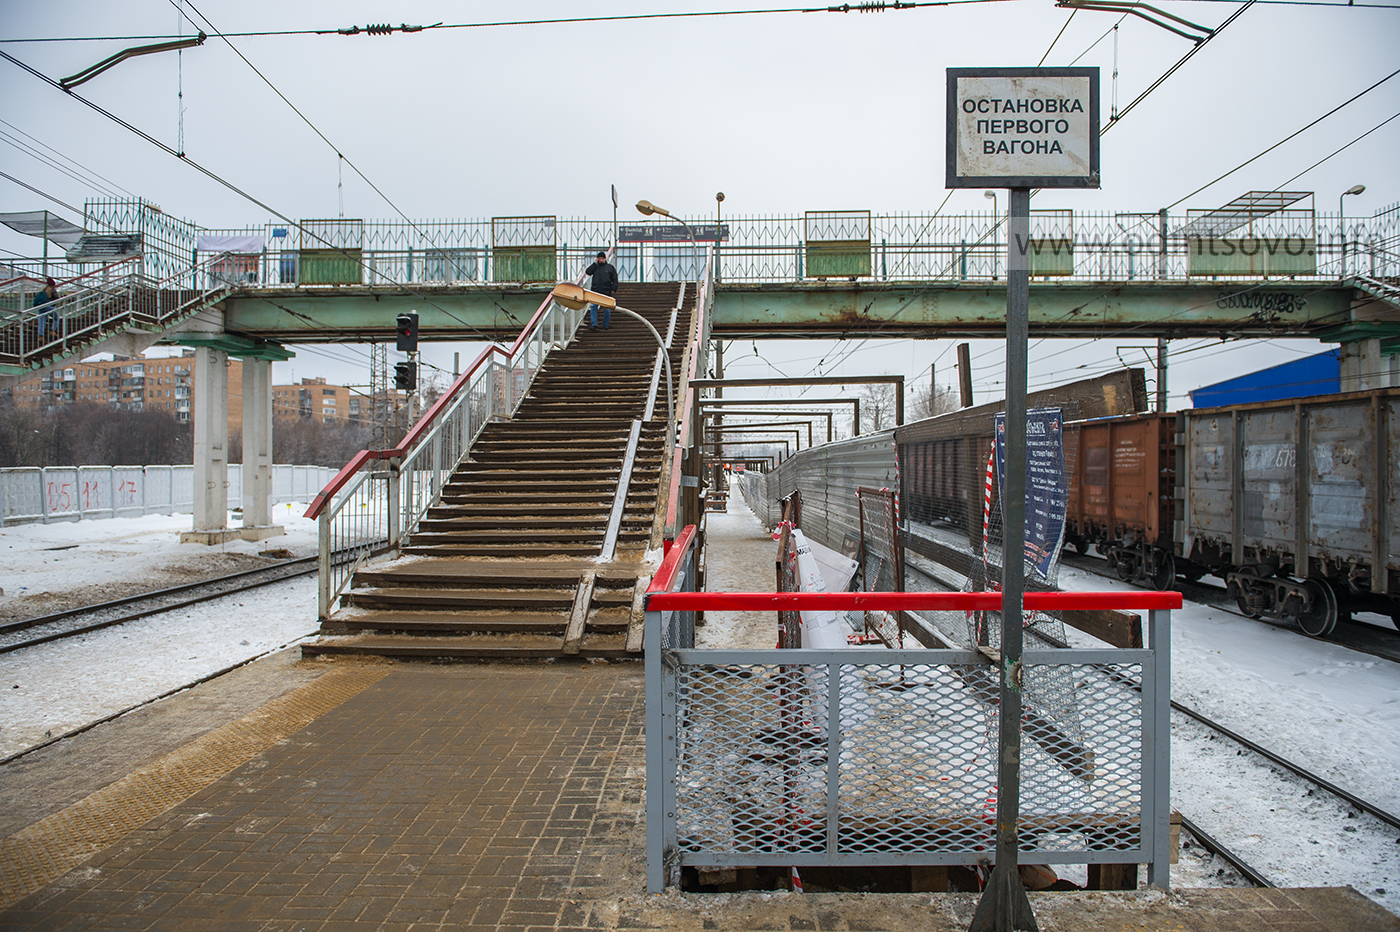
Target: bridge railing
(1070,245)
(102,300)
(380,496)
(843,758)
(678,493)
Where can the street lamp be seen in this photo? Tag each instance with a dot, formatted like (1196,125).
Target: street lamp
(719,229)
(647,208)
(1341,221)
(992,195)
(576,298)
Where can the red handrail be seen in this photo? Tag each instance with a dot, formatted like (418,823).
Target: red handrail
(666,573)
(898,601)
(424,423)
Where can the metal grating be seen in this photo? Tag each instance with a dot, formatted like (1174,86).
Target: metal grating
(909,773)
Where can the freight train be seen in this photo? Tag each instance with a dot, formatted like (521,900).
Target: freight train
(1295,504)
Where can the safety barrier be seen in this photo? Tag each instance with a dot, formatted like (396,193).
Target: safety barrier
(365,510)
(43,495)
(103,304)
(868,757)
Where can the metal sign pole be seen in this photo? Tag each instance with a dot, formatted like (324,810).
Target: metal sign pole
(1004,905)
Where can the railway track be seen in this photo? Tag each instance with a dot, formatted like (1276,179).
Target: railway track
(1269,758)
(31,632)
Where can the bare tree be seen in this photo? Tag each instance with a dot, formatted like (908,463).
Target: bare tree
(927,402)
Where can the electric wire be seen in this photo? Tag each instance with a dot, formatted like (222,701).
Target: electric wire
(1173,69)
(387,29)
(230,186)
(1285,139)
(339,154)
(56,166)
(69,159)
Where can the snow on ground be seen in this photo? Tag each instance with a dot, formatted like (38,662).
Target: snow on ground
(54,688)
(40,563)
(740,559)
(1331,709)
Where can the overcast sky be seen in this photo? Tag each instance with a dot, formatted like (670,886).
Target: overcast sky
(783,112)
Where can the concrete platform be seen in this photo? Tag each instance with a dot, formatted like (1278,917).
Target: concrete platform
(224,535)
(355,795)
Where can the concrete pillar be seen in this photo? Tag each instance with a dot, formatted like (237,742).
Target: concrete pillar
(257,442)
(1363,366)
(210,439)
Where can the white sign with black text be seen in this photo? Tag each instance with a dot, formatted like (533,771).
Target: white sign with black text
(1023,127)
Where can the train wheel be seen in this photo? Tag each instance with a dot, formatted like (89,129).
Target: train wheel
(1165,574)
(1081,546)
(1124,569)
(1243,602)
(1319,621)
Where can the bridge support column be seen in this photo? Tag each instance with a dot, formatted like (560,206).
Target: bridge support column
(210,440)
(1365,367)
(257,443)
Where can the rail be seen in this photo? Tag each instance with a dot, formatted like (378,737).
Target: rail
(681,468)
(366,510)
(32,336)
(1074,245)
(845,758)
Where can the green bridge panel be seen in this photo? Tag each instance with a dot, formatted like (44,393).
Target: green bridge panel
(1255,257)
(838,259)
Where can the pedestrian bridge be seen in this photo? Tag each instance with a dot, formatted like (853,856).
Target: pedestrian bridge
(1249,269)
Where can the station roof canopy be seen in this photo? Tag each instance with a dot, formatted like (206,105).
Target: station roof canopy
(42,223)
(1241,211)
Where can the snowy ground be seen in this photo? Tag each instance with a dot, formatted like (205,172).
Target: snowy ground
(1328,708)
(54,688)
(1333,710)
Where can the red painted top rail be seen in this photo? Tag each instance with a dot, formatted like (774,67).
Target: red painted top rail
(665,576)
(902,601)
(429,418)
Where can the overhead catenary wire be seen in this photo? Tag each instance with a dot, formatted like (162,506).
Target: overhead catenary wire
(340,155)
(386,29)
(209,173)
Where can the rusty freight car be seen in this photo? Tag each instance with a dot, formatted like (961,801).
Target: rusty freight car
(1122,496)
(1295,504)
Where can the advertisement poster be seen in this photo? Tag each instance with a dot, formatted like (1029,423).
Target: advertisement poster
(1047,486)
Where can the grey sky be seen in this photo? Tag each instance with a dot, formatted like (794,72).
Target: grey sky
(783,112)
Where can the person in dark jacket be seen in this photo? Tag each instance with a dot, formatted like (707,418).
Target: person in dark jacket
(48,316)
(604,282)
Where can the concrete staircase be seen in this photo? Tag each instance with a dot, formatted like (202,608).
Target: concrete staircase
(504,565)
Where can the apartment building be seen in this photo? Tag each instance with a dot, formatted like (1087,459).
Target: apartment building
(140,384)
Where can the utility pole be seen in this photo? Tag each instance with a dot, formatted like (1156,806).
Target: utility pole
(964,375)
(1161,375)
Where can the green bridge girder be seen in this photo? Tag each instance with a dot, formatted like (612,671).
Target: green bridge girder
(833,309)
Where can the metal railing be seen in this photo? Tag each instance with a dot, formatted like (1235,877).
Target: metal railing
(103,303)
(380,496)
(678,491)
(1088,245)
(881,757)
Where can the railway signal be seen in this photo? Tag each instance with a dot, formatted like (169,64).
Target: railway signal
(406,375)
(407,330)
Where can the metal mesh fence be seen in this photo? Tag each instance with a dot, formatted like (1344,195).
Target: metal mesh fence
(881,564)
(908,775)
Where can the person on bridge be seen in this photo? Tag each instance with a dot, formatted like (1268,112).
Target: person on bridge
(48,315)
(604,282)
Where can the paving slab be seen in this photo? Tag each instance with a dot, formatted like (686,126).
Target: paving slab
(410,796)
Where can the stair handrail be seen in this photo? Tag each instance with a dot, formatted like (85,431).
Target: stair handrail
(357,520)
(671,516)
(68,307)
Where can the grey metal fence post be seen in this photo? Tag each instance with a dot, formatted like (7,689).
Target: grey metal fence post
(655,757)
(323,565)
(833,757)
(394,496)
(1159,641)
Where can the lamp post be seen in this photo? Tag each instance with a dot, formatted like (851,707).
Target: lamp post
(719,228)
(576,298)
(647,208)
(1341,222)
